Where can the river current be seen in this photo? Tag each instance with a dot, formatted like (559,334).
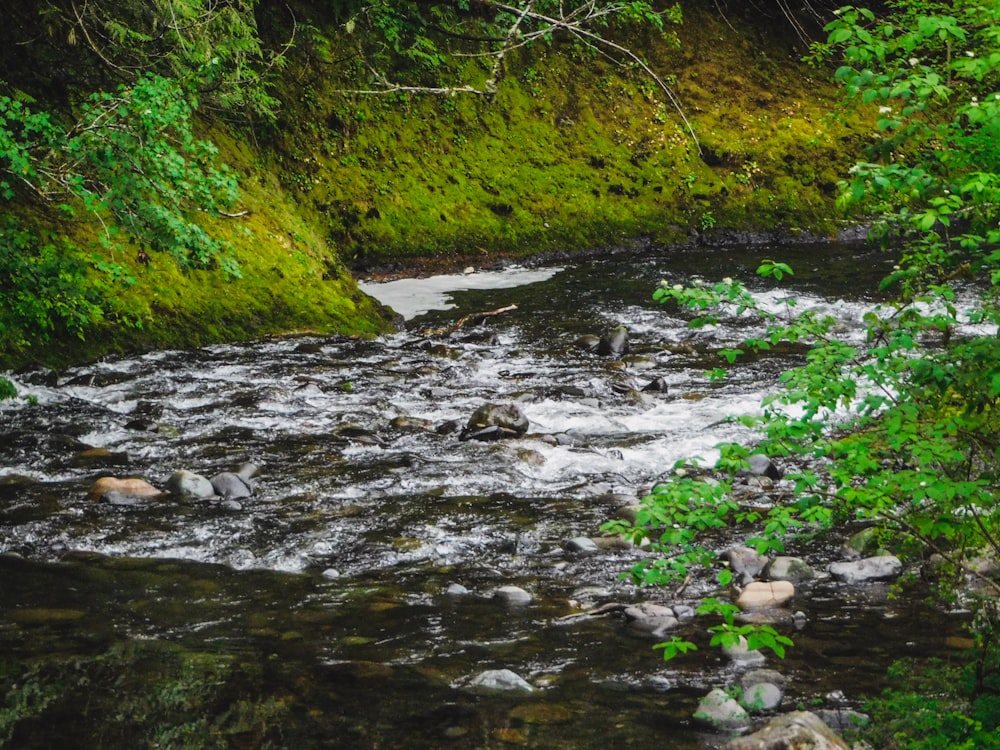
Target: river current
(355,587)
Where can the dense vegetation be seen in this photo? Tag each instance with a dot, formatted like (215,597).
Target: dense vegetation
(899,431)
(182,172)
(374,130)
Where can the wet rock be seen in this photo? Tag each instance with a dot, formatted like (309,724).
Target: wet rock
(495,422)
(761,696)
(614,343)
(799,729)
(232,486)
(513,595)
(571,438)
(447,428)
(648,617)
(762,466)
(500,680)
(331,573)
(588,342)
(184,482)
(581,545)
(744,562)
(763,595)
(456,589)
(657,385)
(114,497)
(880,568)
(131,486)
(719,711)
(793,569)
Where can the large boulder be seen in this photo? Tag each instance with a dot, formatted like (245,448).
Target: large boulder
(800,729)
(495,422)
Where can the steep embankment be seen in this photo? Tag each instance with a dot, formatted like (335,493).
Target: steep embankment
(572,153)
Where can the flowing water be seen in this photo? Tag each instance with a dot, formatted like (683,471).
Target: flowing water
(349,601)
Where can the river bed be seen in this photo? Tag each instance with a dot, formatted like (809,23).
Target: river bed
(349,601)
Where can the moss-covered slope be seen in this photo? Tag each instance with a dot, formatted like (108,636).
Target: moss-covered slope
(573,153)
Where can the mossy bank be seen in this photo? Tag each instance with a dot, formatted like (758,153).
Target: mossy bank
(572,153)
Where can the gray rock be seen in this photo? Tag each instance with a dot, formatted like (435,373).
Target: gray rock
(762,466)
(744,562)
(513,595)
(232,486)
(495,422)
(184,482)
(588,341)
(881,568)
(799,729)
(683,612)
(456,589)
(760,697)
(657,385)
(331,573)
(500,680)
(719,711)
(581,544)
(792,569)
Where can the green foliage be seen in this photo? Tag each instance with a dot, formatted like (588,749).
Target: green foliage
(212,48)
(131,162)
(901,427)
(934,705)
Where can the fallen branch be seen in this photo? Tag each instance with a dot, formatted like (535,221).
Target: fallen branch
(478,317)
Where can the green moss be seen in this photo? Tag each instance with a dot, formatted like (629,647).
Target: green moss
(573,153)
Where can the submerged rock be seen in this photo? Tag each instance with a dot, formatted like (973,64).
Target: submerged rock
(513,595)
(800,729)
(500,680)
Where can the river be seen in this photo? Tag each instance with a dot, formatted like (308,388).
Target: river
(349,602)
